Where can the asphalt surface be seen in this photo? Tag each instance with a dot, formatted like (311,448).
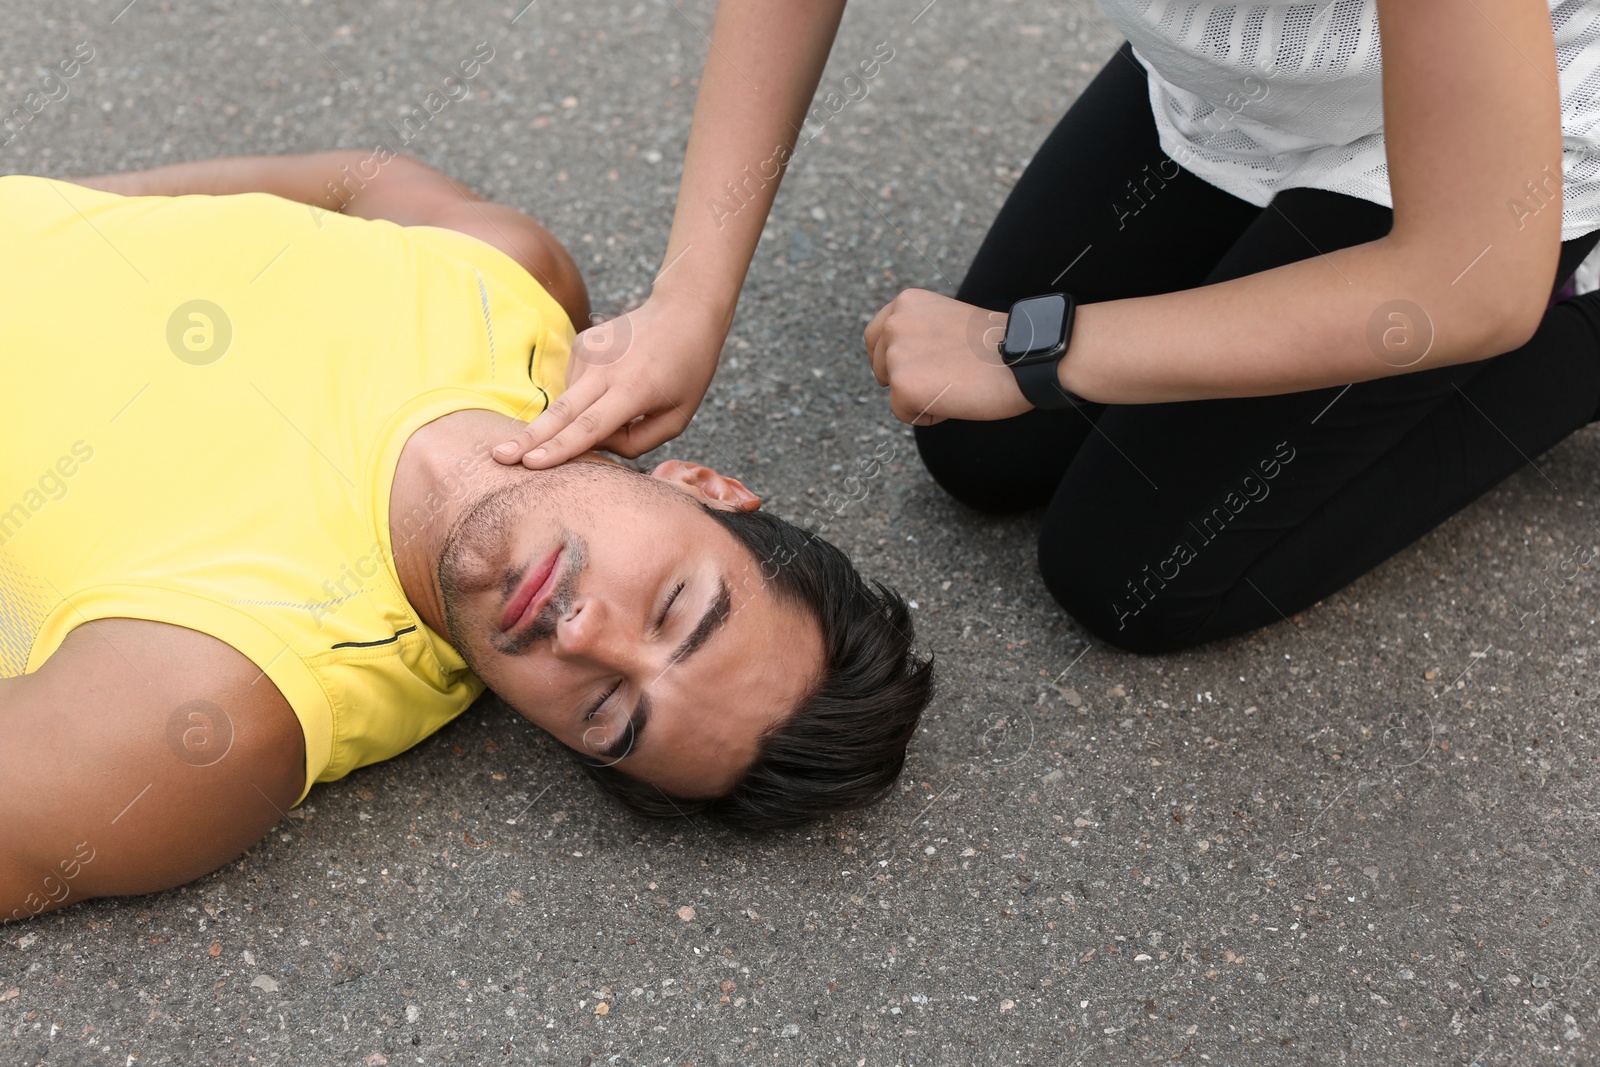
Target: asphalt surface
(1366,835)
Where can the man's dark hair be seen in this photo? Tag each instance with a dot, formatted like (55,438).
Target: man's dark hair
(845,743)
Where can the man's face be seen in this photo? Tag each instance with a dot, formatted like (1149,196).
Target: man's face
(608,608)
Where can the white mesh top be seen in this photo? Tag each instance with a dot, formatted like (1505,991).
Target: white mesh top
(1257,97)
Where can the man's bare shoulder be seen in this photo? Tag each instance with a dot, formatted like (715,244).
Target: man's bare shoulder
(204,695)
(173,658)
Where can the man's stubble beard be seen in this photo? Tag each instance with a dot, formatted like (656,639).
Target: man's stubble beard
(476,553)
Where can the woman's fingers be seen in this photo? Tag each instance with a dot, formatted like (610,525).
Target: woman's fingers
(570,406)
(639,436)
(587,429)
(876,337)
(911,403)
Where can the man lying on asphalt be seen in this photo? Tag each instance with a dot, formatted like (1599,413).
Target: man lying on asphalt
(252,538)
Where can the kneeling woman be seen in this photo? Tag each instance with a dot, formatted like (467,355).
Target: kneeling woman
(1261,380)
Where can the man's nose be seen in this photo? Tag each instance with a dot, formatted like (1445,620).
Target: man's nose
(590,634)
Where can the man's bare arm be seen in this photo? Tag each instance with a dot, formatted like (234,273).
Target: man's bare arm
(139,757)
(372,185)
(364,184)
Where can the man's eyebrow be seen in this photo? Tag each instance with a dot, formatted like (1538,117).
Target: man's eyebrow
(716,613)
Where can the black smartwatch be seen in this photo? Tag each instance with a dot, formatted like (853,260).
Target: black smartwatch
(1036,338)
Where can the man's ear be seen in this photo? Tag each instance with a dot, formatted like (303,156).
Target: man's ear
(707,486)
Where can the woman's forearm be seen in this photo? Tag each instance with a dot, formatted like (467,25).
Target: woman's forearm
(765,60)
(1350,315)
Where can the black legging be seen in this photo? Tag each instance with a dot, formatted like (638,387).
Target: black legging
(1172,524)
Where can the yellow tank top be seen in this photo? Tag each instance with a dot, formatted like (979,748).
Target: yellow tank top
(202,404)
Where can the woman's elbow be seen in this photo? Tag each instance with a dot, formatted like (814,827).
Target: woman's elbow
(1525,286)
(1514,323)
(1500,317)
(1493,306)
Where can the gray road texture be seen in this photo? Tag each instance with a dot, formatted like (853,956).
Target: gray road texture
(1364,835)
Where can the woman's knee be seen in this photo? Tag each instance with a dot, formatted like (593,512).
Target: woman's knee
(1135,610)
(1000,467)
(967,474)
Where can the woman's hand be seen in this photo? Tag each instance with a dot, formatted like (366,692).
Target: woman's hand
(940,359)
(633,383)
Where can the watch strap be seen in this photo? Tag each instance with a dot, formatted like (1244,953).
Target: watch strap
(1040,385)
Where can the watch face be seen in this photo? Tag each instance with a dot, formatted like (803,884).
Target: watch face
(1035,326)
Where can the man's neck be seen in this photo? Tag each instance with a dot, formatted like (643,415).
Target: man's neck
(444,466)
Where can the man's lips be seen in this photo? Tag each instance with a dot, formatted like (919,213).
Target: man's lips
(534,591)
